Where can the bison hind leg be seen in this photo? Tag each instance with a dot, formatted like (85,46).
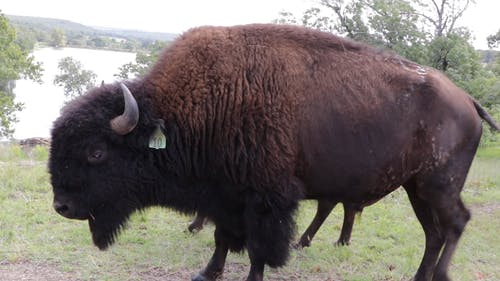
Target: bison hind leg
(434,239)
(435,197)
(197,224)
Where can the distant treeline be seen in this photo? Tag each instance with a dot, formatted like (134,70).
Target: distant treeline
(64,33)
(488,57)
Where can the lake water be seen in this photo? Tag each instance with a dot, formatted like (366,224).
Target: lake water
(43,102)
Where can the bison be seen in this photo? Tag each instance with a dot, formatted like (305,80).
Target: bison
(235,122)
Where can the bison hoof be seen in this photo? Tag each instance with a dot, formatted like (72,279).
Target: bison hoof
(440,276)
(200,277)
(195,228)
(341,243)
(301,244)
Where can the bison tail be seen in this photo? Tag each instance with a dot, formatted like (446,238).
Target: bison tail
(485,116)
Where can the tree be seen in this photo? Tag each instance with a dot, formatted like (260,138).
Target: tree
(391,24)
(489,83)
(100,42)
(75,80)
(487,89)
(143,61)
(450,49)
(395,25)
(494,40)
(442,15)
(496,67)
(26,38)
(57,38)
(424,31)
(333,16)
(15,63)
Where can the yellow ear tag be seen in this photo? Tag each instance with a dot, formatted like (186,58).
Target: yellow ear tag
(158,139)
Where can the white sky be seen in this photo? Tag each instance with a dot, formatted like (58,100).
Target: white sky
(179,15)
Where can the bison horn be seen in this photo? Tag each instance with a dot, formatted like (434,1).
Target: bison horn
(125,123)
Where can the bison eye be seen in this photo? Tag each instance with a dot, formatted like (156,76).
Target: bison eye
(97,153)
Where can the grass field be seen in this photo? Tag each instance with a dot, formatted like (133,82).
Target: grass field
(387,241)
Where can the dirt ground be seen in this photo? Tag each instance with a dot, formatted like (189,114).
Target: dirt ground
(25,271)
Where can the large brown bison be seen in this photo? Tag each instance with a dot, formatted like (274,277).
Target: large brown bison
(234,122)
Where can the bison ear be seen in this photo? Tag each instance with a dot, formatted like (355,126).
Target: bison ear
(125,123)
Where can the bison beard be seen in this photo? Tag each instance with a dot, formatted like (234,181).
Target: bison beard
(105,226)
(104,232)
(254,114)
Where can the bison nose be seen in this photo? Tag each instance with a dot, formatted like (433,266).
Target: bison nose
(61,208)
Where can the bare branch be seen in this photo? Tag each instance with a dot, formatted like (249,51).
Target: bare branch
(458,15)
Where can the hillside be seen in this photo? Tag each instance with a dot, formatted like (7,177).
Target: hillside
(69,27)
(489,56)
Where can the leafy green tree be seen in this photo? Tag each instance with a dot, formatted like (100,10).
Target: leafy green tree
(395,25)
(73,78)
(496,67)
(486,88)
(100,42)
(494,40)
(450,49)
(455,55)
(441,17)
(143,61)
(489,137)
(57,38)
(26,38)
(391,24)
(77,40)
(333,16)
(285,17)
(130,45)
(424,31)
(15,63)
(8,109)
(489,83)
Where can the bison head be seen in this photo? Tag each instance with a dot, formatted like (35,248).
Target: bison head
(99,159)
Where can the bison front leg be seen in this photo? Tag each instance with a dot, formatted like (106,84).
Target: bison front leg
(269,229)
(215,266)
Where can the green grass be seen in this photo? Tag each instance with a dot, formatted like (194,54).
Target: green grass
(387,241)
(489,152)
